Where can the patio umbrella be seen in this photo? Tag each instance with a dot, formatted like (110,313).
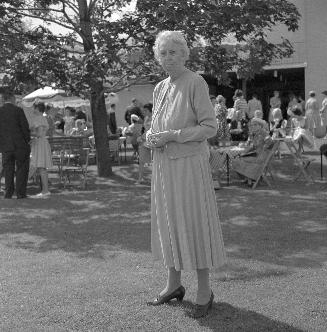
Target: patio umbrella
(56,97)
(46,94)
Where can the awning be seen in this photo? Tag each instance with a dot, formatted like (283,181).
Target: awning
(285,66)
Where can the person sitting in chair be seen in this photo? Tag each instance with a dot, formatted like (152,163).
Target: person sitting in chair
(238,127)
(259,141)
(278,124)
(301,133)
(80,129)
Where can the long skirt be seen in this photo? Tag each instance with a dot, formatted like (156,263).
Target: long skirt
(314,120)
(41,153)
(185,226)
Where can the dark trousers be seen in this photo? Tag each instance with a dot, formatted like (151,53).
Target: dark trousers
(18,160)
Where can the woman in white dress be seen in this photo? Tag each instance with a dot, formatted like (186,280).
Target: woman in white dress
(40,148)
(301,132)
(185,225)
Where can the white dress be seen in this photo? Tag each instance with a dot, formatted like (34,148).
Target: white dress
(301,133)
(40,147)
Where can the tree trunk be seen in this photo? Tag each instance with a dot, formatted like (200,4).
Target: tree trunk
(98,106)
(99,118)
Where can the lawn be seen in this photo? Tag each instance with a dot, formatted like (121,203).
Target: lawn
(81,260)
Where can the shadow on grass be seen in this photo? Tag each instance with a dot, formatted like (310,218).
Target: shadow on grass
(111,215)
(285,226)
(228,318)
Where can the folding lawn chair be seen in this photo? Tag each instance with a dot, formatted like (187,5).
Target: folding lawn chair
(265,166)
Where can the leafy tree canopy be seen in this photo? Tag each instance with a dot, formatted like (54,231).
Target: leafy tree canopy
(116,50)
(106,47)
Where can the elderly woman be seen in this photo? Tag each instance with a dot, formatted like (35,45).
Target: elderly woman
(238,129)
(255,154)
(186,231)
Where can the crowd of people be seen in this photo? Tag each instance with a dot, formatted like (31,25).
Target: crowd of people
(303,121)
(44,121)
(234,123)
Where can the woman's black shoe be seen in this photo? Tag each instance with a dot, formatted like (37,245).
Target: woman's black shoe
(202,310)
(177,294)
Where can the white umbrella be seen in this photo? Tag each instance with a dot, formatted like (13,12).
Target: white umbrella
(45,94)
(70,101)
(57,97)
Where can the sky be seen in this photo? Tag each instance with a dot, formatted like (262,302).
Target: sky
(57,29)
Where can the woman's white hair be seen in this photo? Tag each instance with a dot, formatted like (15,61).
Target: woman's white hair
(174,36)
(277,111)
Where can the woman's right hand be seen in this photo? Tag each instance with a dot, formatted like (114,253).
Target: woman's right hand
(158,140)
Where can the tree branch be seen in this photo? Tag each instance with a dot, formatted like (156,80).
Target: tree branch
(71,6)
(69,19)
(49,20)
(34,9)
(91,6)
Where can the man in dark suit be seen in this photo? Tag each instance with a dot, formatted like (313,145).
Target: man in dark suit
(14,145)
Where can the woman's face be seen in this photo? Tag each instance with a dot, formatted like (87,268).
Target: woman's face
(255,127)
(277,116)
(171,56)
(146,112)
(81,125)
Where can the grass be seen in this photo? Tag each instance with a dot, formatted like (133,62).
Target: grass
(81,260)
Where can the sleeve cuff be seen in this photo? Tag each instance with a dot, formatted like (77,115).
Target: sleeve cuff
(175,135)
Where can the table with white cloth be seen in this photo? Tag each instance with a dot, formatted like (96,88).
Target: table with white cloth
(221,158)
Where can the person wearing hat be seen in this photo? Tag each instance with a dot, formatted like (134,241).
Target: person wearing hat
(312,112)
(249,164)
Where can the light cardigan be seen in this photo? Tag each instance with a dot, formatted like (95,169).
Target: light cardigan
(190,114)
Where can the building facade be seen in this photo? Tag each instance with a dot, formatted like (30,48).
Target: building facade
(306,69)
